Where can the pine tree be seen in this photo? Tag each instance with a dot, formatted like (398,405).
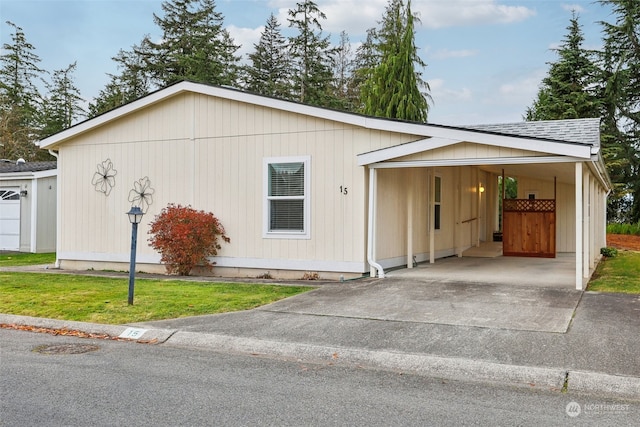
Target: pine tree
(394,88)
(132,83)
(312,55)
(195,45)
(20,99)
(343,66)
(365,61)
(567,92)
(269,68)
(63,103)
(620,90)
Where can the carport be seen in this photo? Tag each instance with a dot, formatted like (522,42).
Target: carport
(437,197)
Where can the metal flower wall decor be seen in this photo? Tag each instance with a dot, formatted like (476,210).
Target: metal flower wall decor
(104,179)
(141,194)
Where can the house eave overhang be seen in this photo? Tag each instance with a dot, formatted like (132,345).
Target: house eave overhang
(440,133)
(568,151)
(474,162)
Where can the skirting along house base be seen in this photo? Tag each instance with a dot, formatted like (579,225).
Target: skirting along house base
(305,189)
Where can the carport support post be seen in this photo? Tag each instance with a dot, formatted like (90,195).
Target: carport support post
(410,227)
(579,248)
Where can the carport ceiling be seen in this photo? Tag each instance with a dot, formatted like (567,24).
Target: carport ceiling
(564,172)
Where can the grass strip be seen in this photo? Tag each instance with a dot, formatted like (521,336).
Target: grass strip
(104,300)
(15,259)
(620,274)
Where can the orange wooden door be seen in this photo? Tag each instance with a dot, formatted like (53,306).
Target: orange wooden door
(529,228)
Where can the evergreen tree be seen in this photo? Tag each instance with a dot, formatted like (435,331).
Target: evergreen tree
(312,56)
(394,88)
(194,46)
(132,83)
(342,74)
(567,92)
(620,90)
(20,99)
(365,61)
(268,71)
(62,106)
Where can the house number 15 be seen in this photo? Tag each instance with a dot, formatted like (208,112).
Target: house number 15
(343,190)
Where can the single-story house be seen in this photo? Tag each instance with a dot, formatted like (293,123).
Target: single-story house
(28,206)
(306,189)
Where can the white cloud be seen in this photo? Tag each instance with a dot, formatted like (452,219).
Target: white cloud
(356,16)
(573,8)
(455,13)
(246,37)
(442,94)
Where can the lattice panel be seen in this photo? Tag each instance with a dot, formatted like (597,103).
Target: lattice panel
(529,205)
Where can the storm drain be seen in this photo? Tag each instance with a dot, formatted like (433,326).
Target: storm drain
(65,348)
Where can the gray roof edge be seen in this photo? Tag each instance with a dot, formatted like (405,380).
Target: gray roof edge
(584,131)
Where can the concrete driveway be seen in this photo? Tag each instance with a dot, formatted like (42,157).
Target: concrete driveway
(413,299)
(528,294)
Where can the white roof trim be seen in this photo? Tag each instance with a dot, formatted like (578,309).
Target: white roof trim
(404,150)
(407,149)
(8,176)
(426,130)
(475,162)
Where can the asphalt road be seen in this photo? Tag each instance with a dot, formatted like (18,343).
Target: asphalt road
(124,383)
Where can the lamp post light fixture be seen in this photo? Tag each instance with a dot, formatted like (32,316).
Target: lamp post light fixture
(135,216)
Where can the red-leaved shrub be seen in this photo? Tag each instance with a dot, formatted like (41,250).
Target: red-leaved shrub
(186,238)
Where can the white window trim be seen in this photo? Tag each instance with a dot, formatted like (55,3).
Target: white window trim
(306,233)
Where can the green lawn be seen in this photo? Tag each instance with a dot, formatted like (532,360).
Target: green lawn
(104,300)
(18,259)
(618,274)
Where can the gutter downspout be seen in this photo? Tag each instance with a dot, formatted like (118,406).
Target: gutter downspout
(371,226)
(57,264)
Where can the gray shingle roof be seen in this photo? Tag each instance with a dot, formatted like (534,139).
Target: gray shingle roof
(6,167)
(581,131)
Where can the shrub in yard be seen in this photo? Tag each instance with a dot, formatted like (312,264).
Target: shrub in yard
(186,237)
(609,252)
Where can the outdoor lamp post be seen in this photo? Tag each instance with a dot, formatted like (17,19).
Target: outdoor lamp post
(135,216)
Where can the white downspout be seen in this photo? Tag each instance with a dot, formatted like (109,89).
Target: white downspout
(371,226)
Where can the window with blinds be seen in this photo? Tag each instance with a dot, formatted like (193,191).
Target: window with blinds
(287,197)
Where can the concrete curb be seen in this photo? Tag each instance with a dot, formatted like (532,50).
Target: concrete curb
(161,335)
(596,382)
(447,368)
(422,364)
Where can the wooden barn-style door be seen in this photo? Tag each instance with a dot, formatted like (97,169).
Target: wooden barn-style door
(529,227)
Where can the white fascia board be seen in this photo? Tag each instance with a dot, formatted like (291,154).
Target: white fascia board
(475,162)
(28,175)
(406,149)
(45,174)
(16,175)
(80,128)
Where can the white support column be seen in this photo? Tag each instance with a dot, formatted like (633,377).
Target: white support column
(432,219)
(578,231)
(604,215)
(371,235)
(592,222)
(410,225)
(586,243)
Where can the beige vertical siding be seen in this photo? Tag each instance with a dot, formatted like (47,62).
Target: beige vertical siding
(209,153)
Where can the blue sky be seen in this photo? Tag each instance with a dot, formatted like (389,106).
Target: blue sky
(485,58)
